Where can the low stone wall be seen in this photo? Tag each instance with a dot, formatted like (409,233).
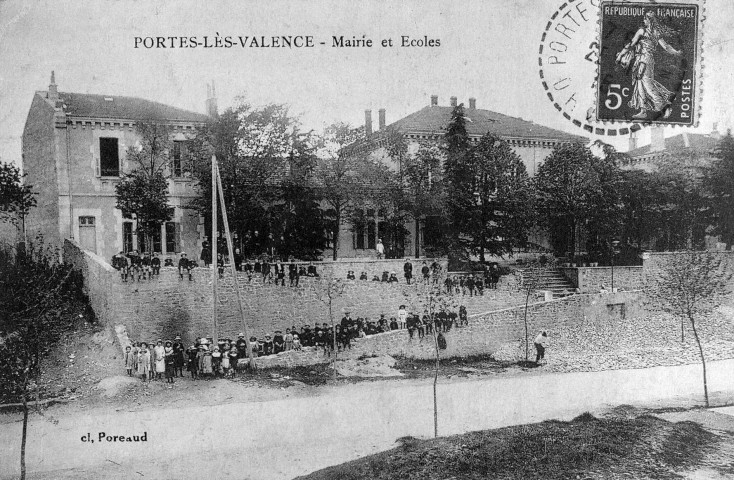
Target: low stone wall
(500,333)
(591,279)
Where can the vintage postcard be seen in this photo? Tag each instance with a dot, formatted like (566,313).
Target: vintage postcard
(366,240)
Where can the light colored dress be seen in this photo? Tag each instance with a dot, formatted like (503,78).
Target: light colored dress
(160,359)
(144,362)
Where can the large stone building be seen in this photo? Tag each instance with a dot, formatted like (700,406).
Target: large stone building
(74,153)
(532,143)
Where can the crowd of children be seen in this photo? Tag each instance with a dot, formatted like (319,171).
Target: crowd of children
(160,359)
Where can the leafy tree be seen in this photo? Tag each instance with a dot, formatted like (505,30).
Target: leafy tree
(143,192)
(493,205)
(266,164)
(577,189)
(422,193)
(337,175)
(456,174)
(37,298)
(721,183)
(16,198)
(691,286)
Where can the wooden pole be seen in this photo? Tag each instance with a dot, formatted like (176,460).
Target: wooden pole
(230,248)
(213,242)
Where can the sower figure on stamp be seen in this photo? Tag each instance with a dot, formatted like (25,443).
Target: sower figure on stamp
(648,94)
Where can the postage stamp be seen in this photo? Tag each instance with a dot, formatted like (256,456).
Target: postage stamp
(649,63)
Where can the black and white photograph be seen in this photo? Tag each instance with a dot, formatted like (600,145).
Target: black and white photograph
(375,240)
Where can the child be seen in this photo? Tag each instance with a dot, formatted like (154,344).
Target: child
(402,316)
(288,339)
(225,363)
(129,360)
(296,343)
(234,358)
(191,365)
(216,361)
(144,361)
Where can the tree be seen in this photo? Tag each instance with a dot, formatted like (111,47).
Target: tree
(16,198)
(577,189)
(37,298)
(267,164)
(327,290)
(493,204)
(422,193)
(456,173)
(721,183)
(691,286)
(337,175)
(143,192)
(434,300)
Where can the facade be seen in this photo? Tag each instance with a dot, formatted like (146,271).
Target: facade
(532,143)
(74,153)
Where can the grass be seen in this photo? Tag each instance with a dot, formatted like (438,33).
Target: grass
(586,447)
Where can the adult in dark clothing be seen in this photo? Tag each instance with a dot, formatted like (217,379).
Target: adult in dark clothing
(278,342)
(411,324)
(479,285)
(408,272)
(178,353)
(120,262)
(266,271)
(426,272)
(302,272)
(220,265)
(238,258)
(346,320)
(306,336)
(293,274)
(280,274)
(470,285)
(268,345)
(155,265)
(241,345)
(385,277)
(257,268)
(494,276)
(448,283)
(206,253)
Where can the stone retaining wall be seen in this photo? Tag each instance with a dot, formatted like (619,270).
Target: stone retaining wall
(591,279)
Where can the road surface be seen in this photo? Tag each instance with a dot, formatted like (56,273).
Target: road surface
(280,439)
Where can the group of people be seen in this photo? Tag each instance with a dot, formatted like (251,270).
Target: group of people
(154,360)
(137,266)
(206,358)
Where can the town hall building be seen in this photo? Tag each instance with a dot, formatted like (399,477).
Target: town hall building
(74,154)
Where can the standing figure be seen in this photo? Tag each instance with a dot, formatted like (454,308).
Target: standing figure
(178,351)
(130,360)
(170,362)
(144,361)
(206,253)
(155,265)
(540,342)
(183,266)
(160,359)
(648,94)
(380,249)
(408,271)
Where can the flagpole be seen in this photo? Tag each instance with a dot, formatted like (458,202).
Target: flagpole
(213,249)
(235,281)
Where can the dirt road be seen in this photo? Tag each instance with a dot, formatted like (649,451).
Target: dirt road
(283,438)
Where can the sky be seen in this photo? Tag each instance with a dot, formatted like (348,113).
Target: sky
(488,50)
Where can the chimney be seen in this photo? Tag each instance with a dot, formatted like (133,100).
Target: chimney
(434,100)
(211,100)
(472,103)
(634,139)
(53,90)
(381,118)
(453,101)
(657,138)
(368,122)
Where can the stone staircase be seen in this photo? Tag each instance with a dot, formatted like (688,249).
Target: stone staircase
(550,279)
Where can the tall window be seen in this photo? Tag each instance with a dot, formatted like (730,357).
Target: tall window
(180,158)
(172,240)
(109,157)
(127,237)
(359,236)
(143,242)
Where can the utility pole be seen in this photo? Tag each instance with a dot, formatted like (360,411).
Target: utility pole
(215,272)
(253,365)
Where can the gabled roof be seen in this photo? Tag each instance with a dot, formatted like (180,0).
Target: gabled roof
(696,141)
(123,108)
(435,119)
